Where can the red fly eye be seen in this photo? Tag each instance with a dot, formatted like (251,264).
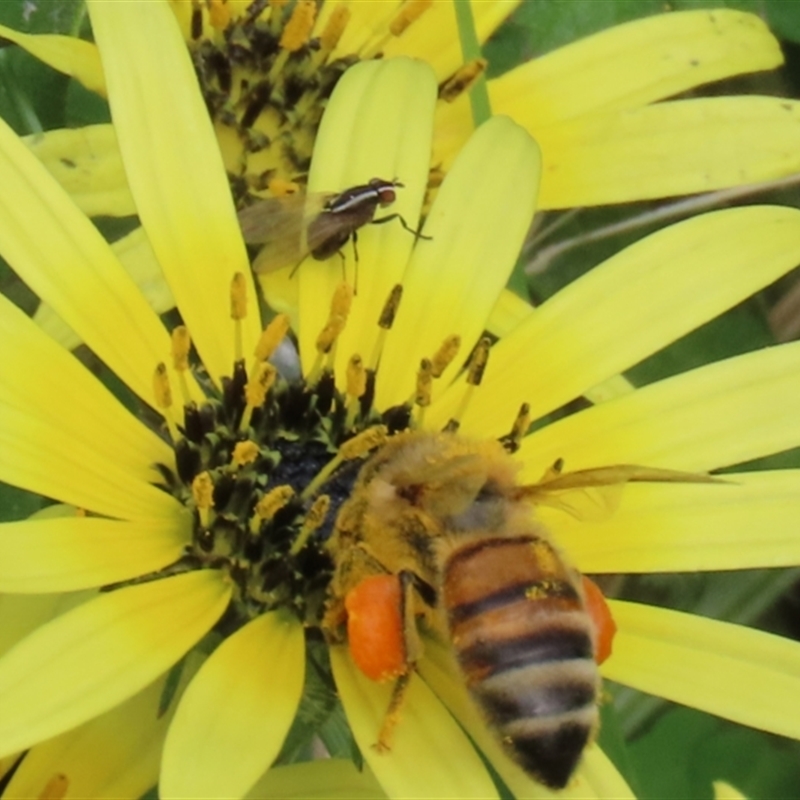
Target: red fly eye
(375,627)
(387,196)
(604,624)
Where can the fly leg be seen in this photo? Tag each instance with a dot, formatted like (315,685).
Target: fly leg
(390,217)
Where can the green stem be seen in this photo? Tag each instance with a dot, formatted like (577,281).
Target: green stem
(470,50)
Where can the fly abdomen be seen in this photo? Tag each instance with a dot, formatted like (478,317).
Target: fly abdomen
(524,643)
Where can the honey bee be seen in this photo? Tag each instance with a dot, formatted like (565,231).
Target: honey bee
(438,530)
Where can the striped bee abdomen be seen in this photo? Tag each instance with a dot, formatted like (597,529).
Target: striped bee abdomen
(524,643)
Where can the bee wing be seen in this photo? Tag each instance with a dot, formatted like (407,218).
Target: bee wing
(594,494)
(280,224)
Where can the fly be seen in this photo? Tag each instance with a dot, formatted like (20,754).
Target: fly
(293,227)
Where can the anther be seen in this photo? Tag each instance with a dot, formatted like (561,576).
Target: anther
(511,441)
(203,496)
(334,29)
(295,34)
(56,788)
(244,453)
(475,370)
(219,14)
(462,80)
(409,13)
(269,505)
(272,336)
(238,310)
(337,319)
(256,389)
(422,396)
(445,355)
(385,322)
(356,386)
(298,29)
(313,519)
(358,446)
(163,399)
(181,344)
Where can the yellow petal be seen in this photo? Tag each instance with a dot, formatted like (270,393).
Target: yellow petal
(20,614)
(434,37)
(57,251)
(596,776)
(724,791)
(749,522)
(40,457)
(735,672)
(326,779)
(430,756)
(137,257)
(630,306)
(97,655)
(60,555)
(83,407)
(87,164)
(477,224)
(115,755)
(233,718)
(175,171)
(668,149)
(68,54)
(377,124)
(634,64)
(721,414)
(509,311)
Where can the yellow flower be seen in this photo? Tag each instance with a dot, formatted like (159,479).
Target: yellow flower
(599,108)
(96,677)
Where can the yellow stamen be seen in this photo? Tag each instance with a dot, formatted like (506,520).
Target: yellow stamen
(272,336)
(520,427)
(203,496)
(280,187)
(356,376)
(409,13)
(238,310)
(356,386)
(219,14)
(445,355)
(341,303)
(462,79)
(385,322)
(422,395)
(269,505)
(163,399)
(298,28)
(181,345)
(56,788)
(353,448)
(475,370)
(244,453)
(255,392)
(365,441)
(313,519)
(337,22)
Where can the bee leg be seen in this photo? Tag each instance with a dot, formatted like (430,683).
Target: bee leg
(413,651)
(383,745)
(390,217)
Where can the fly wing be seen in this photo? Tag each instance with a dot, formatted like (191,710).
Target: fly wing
(280,224)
